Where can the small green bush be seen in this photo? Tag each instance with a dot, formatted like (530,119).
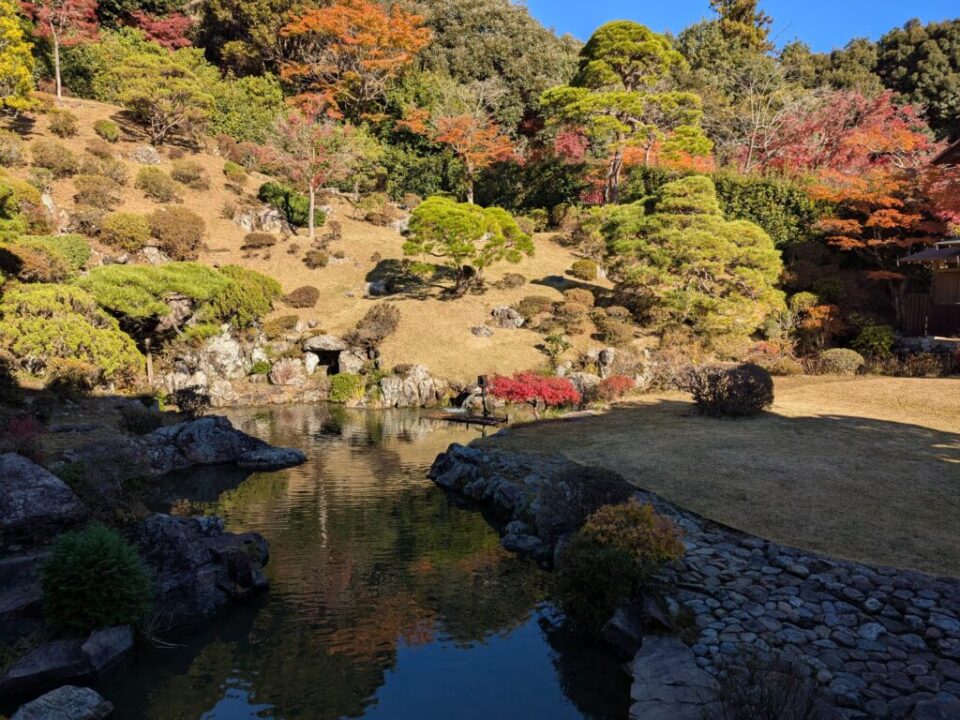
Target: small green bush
(73,249)
(107,129)
(584,270)
(55,157)
(64,124)
(875,341)
(191,174)
(534,305)
(258,241)
(178,231)
(94,579)
(109,166)
(96,191)
(157,185)
(280,326)
(234,172)
(245,299)
(346,387)
(294,205)
(261,367)
(125,231)
(591,581)
(11,149)
(730,390)
(303,297)
(540,218)
(840,361)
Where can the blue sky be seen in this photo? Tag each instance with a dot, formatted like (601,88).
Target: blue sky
(822,24)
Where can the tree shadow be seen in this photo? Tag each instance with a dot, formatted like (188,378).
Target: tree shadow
(563,283)
(399,277)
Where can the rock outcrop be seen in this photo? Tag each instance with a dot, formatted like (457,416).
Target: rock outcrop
(414,387)
(33,500)
(507,318)
(66,703)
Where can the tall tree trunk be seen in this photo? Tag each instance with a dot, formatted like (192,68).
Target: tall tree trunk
(611,193)
(56,66)
(470,185)
(311,233)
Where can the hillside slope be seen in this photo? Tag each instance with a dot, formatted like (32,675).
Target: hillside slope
(433,332)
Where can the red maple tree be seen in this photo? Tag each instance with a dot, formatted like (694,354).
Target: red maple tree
(170,31)
(64,23)
(537,390)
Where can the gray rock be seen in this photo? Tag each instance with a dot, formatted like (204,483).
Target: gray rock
(667,682)
(222,356)
(324,343)
(288,372)
(624,631)
(32,499)
(44,667)
(943,707)
(481,331)
(271,459)
(105,648)
(66,703)
(145,155)
(585,383)
(507,318)
(415,388)
(311,362)
(523,544)
(351,361)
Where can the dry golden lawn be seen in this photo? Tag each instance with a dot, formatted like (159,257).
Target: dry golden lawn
(861,468)
(433,332)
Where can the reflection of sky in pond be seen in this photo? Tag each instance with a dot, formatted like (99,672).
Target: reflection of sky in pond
(389,598)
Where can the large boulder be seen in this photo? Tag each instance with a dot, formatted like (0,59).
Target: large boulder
(105,648)
(32,499)
(351,361)
(507,318)
(145,155)
(324,344)
(66,703)
(207,441)
(223,357)
(289,372)
(667,682)
(45,667)
(585,383)
(197,567)
(415,387)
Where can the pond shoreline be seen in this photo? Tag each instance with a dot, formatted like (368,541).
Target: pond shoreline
(879,642)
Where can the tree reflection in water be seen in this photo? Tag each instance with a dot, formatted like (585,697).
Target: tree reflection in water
(387,598)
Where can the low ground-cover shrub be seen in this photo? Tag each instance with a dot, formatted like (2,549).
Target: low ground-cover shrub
(64,124)
(316,259)
(574,495)
(346,387)
(757,687)
(11,149)
(258,241)
(511,281)
(280,326)
(244,300)
(378,323)
(55,157)
(533,305)
(234,172)
(125,231)
(616,332)
(32,264)
(539,391)
(191,174)
(178,231)
(107,129)
(139,420)
(730,390)
(157,185)
(97,191)
(615,387)
(584,270)
(94,579)
(840,361)
(303,297)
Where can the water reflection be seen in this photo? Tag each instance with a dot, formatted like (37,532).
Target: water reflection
(388,599)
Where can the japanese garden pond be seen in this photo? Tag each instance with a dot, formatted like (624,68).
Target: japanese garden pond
(388,598)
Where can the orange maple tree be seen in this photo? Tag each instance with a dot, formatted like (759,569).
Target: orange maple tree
(348,52)
(473,136)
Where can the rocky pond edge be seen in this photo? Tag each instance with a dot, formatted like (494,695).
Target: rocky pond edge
(877,642)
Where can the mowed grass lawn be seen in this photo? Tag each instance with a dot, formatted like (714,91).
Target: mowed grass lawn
(861,468)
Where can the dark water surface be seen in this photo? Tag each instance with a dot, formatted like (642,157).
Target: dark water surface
(389,599)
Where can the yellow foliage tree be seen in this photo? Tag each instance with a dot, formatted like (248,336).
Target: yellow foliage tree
(16,60)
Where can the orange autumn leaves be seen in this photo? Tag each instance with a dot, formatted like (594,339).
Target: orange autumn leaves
(349,52)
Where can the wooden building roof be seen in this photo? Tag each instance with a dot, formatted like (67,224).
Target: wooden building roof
(949,155)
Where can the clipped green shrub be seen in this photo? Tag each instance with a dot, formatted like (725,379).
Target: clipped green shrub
(584,270)
(125,231)
(258,241)
(245,299)
(41,322)
(534,305)
(294,205)
(303,297)
(94,579)
(234,172)
(580,296)
(346,387)
(191,174)
(109,166)
(55,157)
(96,191)
(64,124)
(730,390)
(875,341)
(616,332)
(261,367)
(840,361)
(73,249)
(11,149)
(107,129)
(201,332)
(157,185)
(178,231)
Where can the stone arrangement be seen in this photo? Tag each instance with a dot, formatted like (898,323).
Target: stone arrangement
(879,642)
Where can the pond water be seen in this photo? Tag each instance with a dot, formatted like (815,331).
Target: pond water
(388,599)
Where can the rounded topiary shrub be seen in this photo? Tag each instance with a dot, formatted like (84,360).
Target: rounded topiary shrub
(258,241)
(178,231)
(157,185)
(533,305)
(125,231)
(64,123)
(730,390)
(580,296)
(107,129)
(303,297)
(98,191)
(55,157)
(234,172)
(191,174)
(840,361)
(585,270)
(94,579)
(315,259)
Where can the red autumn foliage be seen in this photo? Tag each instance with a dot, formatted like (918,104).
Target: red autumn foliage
(615,387)
(170,31)
(526,387)
(64,23)
(571,146)
(21,434)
